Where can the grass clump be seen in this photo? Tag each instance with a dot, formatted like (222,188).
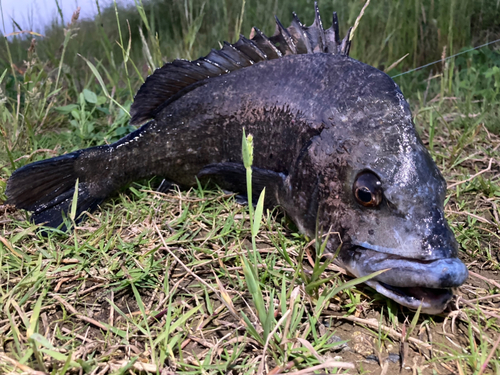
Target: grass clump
(186,282)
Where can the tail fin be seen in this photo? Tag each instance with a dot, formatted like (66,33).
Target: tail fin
(47,187)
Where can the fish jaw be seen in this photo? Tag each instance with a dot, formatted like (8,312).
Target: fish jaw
(409,282)
(433,301)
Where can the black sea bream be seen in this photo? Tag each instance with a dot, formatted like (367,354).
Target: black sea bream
(334,144)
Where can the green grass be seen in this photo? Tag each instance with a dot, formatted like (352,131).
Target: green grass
(186,282)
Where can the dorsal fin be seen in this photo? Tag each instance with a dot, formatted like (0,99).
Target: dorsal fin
(175,78)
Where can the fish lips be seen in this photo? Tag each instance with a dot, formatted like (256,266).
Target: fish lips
(431,301)
(410,282)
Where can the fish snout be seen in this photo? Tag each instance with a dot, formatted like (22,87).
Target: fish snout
(439,274)
(408,272)
(438,240)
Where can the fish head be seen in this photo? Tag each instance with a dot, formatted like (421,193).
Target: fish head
(393,195)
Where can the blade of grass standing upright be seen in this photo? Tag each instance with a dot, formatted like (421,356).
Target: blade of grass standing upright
(74,203)
(103,86)
(257,219)
(125,53)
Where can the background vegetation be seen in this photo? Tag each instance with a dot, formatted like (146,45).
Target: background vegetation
(112,296)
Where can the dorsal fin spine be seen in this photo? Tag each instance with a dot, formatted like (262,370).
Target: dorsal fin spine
(256,47)
(318,25)
(267,43)
(346,43)
(301,30)
(259,34)
(250,49)
(285,37)
(317,19)
(335,27)
(216,65)
(296,18)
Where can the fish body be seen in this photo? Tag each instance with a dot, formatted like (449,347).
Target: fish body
(334,145)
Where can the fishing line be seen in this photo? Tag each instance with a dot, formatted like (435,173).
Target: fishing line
(449,57)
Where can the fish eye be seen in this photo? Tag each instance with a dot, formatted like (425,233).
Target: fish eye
(367,189)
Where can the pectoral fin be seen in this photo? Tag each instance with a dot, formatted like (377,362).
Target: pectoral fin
(232,176)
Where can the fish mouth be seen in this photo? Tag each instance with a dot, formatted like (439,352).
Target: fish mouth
(411,282)
(431,300)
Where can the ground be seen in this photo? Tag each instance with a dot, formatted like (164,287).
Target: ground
(154,282)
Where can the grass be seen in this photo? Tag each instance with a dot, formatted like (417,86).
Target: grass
(186,282)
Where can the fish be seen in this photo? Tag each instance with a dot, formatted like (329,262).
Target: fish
(334,145)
